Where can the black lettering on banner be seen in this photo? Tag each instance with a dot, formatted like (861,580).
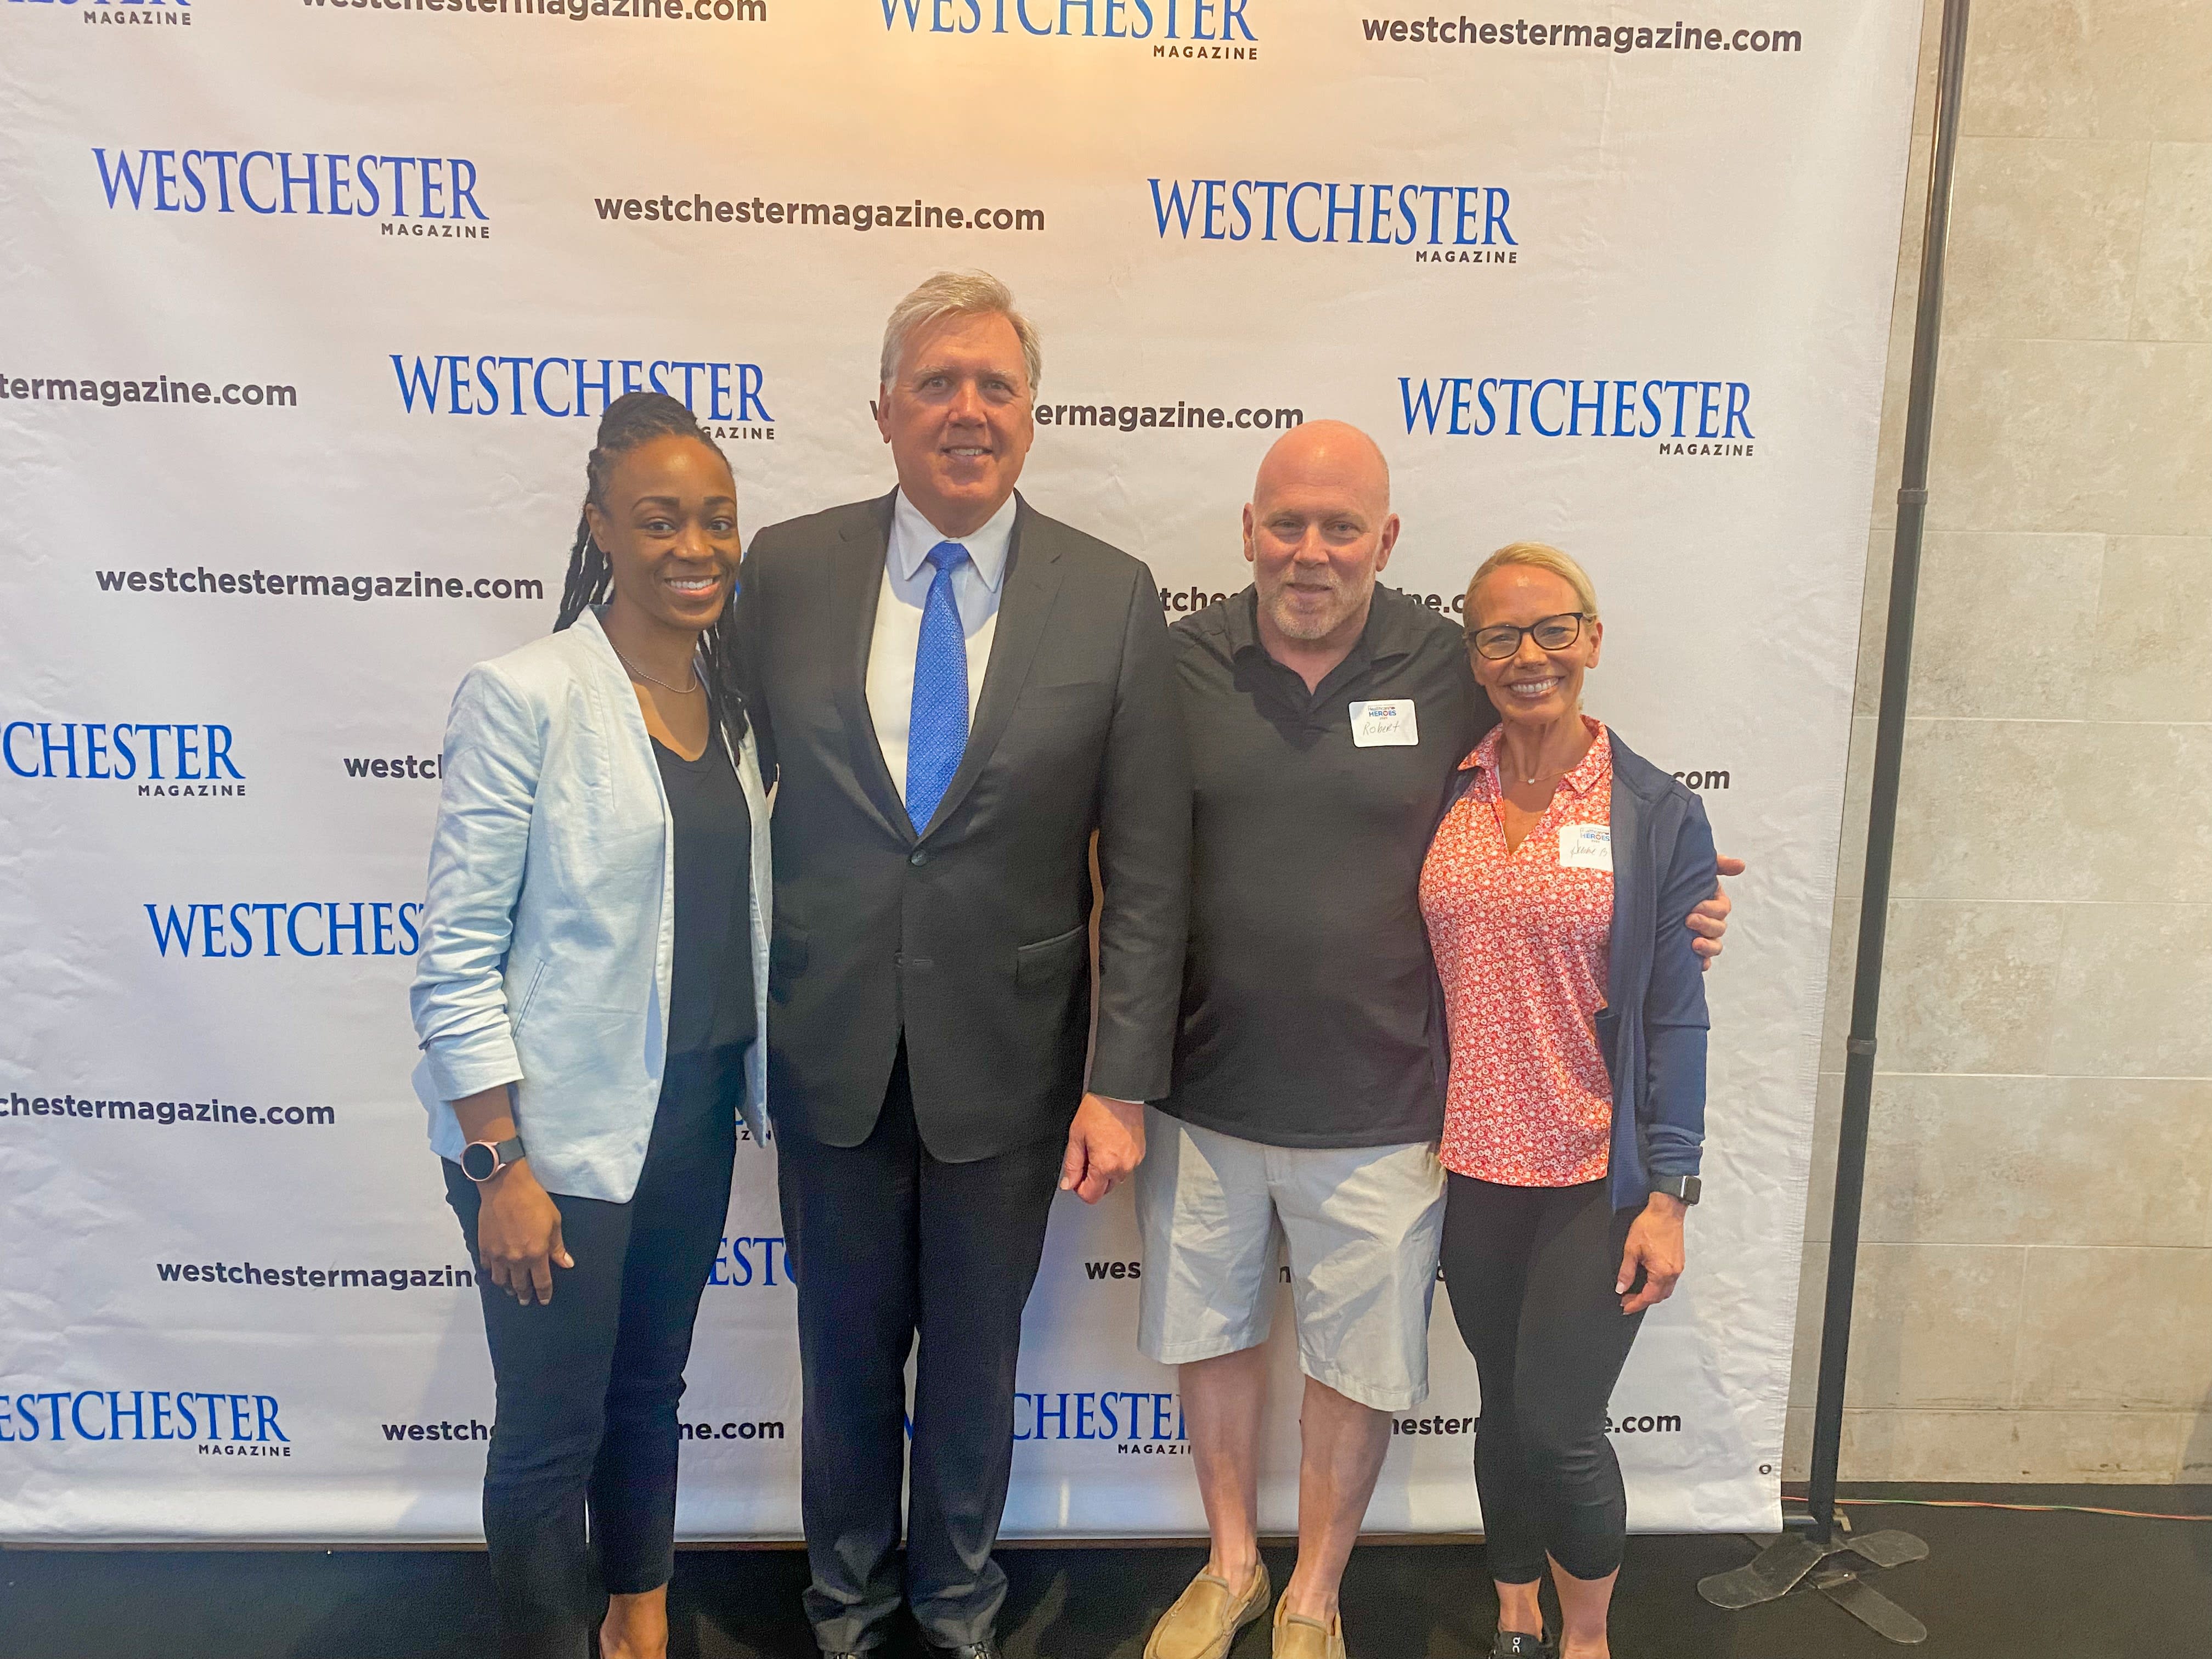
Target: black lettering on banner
(698,209)
(313,585)
(1181,418)
(1424,1426)
(114,392)
(396,765)
(767,1429)
(1666,1422)
(162,1113)
(473,1429)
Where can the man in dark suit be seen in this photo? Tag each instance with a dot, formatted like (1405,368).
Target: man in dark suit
(959,691)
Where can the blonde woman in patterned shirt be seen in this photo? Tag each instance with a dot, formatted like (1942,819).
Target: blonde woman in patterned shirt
(1555,893)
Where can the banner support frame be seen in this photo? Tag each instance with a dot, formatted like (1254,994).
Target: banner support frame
(1888,761)
(1812,1537)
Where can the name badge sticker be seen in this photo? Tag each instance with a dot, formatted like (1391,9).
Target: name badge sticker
(1385,724)
(1586,847)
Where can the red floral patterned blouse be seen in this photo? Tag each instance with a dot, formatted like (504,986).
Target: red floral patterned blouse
(1522,941)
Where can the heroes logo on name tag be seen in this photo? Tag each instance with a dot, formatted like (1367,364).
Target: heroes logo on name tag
(1384,725)
(1586,847)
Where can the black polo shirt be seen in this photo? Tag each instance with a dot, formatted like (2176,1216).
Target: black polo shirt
(1306,991)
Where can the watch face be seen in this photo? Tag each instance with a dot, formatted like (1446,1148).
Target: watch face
(479,1161)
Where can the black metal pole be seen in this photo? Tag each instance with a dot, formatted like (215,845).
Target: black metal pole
(1881,819)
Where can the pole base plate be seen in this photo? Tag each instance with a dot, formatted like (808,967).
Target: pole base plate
(1778,1568)
(1888,1548)
(1868,1605)
(1795,1562)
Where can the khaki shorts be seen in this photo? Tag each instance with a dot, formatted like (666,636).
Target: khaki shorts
(1360,1227)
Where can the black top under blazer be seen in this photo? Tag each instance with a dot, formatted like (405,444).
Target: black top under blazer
(970,936)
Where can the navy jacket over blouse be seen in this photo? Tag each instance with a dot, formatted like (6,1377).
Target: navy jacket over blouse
(1652,1030)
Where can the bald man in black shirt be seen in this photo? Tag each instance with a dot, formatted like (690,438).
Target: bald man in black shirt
(1326,714)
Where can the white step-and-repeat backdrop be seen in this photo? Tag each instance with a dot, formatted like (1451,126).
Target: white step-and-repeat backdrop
(307,308)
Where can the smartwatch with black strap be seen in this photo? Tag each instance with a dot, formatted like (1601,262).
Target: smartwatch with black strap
(1684,1187)
(483,1159)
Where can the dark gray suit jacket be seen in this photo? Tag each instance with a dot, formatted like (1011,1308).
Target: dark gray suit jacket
(969,936)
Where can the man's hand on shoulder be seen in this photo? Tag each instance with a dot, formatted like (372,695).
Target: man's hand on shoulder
(1709,919)
(1105,1144)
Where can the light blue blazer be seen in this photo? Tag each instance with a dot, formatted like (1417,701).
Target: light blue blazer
(550,924)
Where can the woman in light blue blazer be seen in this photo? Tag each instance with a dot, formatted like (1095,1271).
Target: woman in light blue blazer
(590,1001)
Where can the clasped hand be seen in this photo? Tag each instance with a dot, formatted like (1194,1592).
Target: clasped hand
(1105,1144)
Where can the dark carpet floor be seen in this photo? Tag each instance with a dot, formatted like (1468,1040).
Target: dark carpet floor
(1996,1584)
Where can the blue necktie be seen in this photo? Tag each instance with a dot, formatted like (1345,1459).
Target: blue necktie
(936,731)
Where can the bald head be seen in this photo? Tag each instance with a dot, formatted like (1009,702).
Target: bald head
(1318,530)
(1334,454)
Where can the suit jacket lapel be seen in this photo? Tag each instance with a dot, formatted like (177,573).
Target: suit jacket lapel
(1032,582)
(856,580)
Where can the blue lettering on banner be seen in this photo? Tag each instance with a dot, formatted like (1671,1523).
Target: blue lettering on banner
(121,751)
(313,182)
(222,1423)
(1462,406)
(277,927)
(459,383)
(1219,21)
(745,1263)
(1132,1417)
(1307,211)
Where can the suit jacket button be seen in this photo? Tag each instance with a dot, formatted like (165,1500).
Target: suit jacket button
(919,857)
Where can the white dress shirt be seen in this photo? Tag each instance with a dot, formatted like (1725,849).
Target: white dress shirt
(977,585)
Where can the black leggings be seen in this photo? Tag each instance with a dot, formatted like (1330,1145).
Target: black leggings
(1530,1271)
(588,1383)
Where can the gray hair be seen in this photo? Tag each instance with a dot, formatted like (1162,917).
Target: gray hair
(958,294)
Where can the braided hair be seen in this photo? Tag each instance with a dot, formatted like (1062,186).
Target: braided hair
(636,418)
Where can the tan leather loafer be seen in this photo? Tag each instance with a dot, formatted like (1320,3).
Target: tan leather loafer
(1297,1637)
(1207,1616)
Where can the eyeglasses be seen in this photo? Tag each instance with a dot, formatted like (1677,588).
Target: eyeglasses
(1556,632)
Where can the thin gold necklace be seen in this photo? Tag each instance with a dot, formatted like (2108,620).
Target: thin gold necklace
(638,673)
(1540,776)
